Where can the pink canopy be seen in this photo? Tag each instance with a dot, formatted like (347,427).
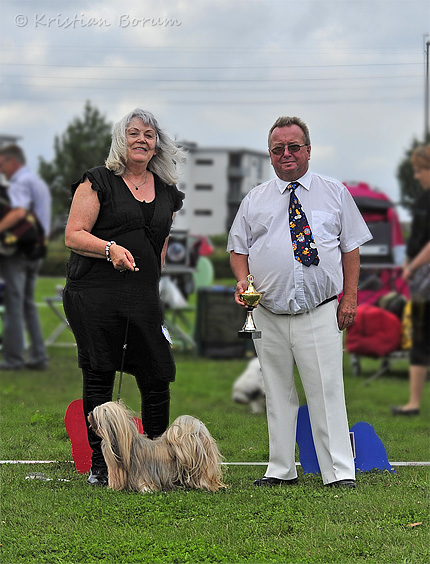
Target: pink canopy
(375,207)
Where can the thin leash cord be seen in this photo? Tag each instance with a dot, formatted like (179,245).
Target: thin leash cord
(124,350)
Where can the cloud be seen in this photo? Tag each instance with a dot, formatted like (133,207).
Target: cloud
(353,69)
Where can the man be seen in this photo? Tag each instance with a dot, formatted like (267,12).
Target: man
(299,315)
(26,191)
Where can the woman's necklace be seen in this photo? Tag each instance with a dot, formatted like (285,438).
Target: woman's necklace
(137,186)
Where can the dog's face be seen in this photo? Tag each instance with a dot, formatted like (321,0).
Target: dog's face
(109,419)
(92,421)
(97,420)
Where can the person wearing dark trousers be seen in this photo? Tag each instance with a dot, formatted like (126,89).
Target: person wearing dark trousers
(118,230)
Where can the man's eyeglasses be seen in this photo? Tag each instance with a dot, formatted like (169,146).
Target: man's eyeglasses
(293,148)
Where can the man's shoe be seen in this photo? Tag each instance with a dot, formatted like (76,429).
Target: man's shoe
(98,477)
(4,366)
(37,365)
(396,410)
(342,484)
(268,481)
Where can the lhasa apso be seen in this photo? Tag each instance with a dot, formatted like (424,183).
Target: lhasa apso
(185,455)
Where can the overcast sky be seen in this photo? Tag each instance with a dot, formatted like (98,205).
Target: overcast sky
(219,72)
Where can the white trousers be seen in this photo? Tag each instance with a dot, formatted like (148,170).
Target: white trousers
(314,343)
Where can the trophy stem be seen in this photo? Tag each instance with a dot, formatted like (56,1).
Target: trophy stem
(249,330)
(249,324)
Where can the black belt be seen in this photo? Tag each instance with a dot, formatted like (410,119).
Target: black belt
(328,300)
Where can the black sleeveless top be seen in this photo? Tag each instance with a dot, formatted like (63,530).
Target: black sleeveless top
(99,301)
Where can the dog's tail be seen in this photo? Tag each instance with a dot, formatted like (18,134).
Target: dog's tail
(197,457)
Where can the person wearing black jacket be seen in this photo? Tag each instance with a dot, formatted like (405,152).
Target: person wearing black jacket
(118,230)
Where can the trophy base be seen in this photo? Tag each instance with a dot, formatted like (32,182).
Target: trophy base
(249,334)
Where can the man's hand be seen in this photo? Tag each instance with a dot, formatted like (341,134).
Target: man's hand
(346,312)
(241,286)
(347,309)
(239,266)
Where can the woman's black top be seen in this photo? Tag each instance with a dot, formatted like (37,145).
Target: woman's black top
(101,302)
(420,228)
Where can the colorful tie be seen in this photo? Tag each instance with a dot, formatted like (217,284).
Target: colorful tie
(305,250)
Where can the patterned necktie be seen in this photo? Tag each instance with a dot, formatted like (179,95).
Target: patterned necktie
(305,250)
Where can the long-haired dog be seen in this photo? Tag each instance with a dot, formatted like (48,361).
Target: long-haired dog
(185,455)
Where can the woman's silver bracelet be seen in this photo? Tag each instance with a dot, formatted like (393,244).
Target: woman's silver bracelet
(107,250)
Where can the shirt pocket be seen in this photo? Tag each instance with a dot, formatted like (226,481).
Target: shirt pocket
(324,226)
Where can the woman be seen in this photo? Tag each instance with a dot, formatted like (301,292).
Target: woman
(118,229)
(417,271)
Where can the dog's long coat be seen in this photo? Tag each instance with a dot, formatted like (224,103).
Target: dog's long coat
(185,455)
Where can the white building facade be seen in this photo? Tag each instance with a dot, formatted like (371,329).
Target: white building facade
(214,181)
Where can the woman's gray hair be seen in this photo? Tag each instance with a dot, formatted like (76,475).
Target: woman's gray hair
(167,161)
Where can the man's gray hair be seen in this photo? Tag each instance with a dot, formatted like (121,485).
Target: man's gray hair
(288,121)
(167,161)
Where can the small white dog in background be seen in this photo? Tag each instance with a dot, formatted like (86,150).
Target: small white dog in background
(249,387)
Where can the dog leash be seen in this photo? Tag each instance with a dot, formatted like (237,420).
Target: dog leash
(124,349)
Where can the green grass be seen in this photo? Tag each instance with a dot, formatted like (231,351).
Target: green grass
(62,520)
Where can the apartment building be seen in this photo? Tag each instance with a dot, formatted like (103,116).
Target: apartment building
(215,180)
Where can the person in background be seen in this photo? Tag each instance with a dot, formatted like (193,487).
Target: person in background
(300,274)
(118,230)
(416,270)
(26,192)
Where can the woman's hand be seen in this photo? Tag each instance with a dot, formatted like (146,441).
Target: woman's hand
(121,258)
(407,272)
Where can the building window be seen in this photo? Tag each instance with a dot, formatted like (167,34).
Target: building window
(235,189)
(204,162)
(203,187)
(235,159)
(259,168)
(202,212)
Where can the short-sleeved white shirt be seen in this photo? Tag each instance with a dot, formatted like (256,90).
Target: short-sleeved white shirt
(29,191)
(261,231)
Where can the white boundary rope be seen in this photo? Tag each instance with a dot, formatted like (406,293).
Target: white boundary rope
(224,463)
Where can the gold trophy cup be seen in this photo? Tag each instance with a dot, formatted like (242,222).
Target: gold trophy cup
(250,298)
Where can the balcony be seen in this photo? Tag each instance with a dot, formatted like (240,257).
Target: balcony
(237,172)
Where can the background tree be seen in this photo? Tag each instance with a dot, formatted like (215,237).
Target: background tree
(83,145)
(409,187)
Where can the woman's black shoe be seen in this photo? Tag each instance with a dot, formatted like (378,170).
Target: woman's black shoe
(98,477)
(400,411)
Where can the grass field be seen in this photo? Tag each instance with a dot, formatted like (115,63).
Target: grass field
(50,515)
